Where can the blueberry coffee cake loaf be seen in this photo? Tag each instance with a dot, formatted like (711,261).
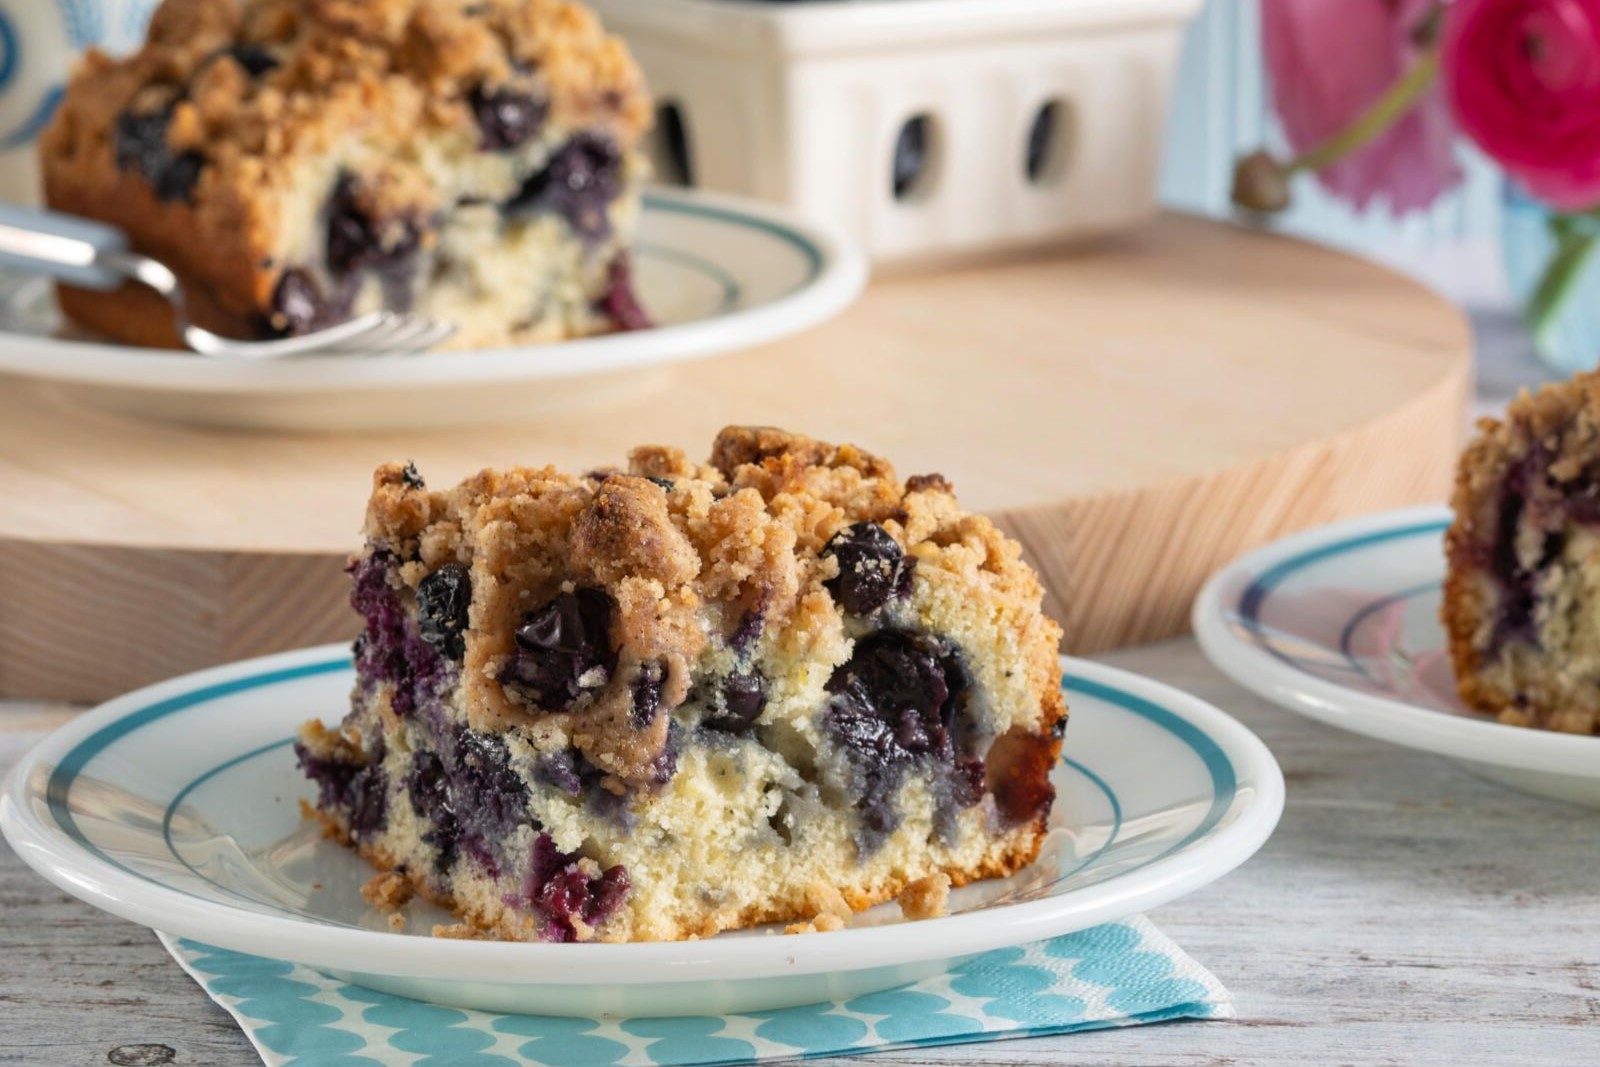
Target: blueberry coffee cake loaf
(660,702)
(1522,594)
(298,162)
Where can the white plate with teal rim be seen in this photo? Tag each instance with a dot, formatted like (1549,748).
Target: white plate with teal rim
(177,807)
(1342,625)
(717,274)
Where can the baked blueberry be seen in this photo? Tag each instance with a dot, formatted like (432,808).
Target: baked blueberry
(737,701)
(429,790)
(356,240)
(140,144)
(752,621)
(560,770)
(391,648)
(443,598)
(507,118)
(647,694)
(369,801)
(358,790)
(873,568)
(620,304)
(564,649)
(566,891)
(899,699)
(893,698)
(490,797)
(579,182)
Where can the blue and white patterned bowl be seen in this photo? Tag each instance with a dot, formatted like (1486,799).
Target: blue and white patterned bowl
(176,807)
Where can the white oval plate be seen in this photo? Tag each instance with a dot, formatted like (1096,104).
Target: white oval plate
(718,274)
(176,807)
(1341,624)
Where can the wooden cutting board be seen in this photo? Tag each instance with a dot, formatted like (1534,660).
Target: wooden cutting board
(1137,413)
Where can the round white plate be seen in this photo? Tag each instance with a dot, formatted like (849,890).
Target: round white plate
(1342,624)
(717,274)
(176,807)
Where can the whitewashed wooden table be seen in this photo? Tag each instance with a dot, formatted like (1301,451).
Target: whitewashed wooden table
(1405,912)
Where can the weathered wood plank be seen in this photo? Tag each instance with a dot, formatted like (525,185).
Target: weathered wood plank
(1405,912)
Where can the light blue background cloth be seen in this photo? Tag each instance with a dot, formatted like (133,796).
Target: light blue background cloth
(1120,974)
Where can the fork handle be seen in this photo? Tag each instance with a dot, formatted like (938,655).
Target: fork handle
(71,249)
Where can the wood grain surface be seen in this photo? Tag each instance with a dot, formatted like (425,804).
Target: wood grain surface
(1136,414)
(1405,912)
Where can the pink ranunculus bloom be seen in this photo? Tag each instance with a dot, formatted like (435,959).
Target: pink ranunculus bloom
(1330,60)
(1524,79)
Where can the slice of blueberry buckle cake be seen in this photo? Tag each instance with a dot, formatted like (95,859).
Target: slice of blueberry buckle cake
(299,162)
(679,699)
(1522,594)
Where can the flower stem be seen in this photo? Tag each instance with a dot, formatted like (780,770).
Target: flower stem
(1261,182)
(1388,109)
(1574,246)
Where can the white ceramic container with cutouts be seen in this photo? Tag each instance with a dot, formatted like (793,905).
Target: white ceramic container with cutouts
(1017,122)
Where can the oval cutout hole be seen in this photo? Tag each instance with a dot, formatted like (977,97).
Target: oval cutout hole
(912,165)
(1049,143)
(670,153)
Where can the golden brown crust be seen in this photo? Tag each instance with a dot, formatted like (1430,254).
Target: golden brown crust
(745,533)
(627,531)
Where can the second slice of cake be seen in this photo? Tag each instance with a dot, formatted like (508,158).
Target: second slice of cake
(682,698)
(300,162)
(1522,593)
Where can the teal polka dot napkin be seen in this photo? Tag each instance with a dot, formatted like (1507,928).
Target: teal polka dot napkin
(1120,974)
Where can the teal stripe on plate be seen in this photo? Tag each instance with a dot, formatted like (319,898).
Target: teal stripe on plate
(1224,781)
(59,787)
(1254,598)
(672,205)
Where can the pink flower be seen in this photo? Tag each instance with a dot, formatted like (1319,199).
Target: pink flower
(1330,60)
(1524,79)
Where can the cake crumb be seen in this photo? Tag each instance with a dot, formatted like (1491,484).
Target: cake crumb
(457,931)
(388,891)
(828,901)
(397,921)
(926,898)
(831,911)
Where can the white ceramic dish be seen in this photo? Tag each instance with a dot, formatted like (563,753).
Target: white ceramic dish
(176,807)
(718,274)
(1342,624)
(1042,120)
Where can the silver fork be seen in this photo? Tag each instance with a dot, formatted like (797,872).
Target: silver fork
(93,255)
